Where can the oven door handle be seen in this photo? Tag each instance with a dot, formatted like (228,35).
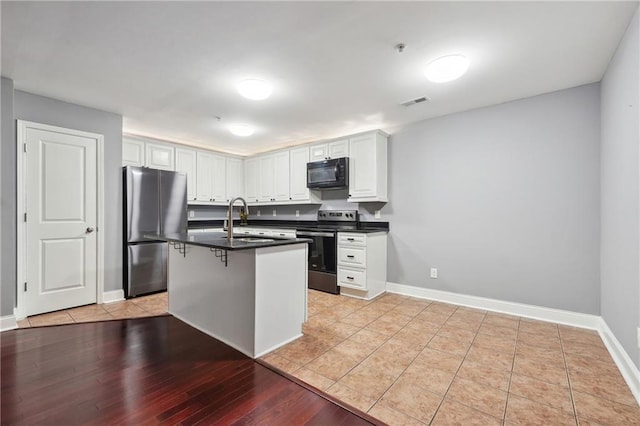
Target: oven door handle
(315,234)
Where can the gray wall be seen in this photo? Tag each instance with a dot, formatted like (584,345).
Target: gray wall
(51,111)
(8,200)
(620,250)
(503,200)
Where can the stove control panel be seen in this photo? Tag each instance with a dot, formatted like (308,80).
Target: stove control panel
(337,215)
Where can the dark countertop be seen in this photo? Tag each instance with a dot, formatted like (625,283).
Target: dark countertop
(219,240)
(363,227)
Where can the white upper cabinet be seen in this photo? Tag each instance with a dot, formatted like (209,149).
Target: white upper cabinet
(281,173)
(186,163)
(235,178)
(211,180)
(219,184)
(132,152)
(368,167)
(325,151)
(339,148)
(159,156)
(205,176)
(266,181)
(298,159)
(251,178)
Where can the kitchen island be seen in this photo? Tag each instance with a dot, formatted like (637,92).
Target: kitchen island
(249,293)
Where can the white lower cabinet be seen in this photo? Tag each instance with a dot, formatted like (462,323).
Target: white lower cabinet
(362,264)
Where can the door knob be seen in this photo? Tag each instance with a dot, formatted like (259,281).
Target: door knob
(90,230)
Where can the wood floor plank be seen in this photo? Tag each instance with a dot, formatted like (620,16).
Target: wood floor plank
(154,370)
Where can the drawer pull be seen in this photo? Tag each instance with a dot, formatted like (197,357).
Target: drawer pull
(350,239)
(349,278)
(350,256)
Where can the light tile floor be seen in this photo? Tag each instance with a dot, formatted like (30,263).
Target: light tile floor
(409,361)
(154,304)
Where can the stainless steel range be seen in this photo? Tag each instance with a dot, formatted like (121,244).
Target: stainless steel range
(323,249)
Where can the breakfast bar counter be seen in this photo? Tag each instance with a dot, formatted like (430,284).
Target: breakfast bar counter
(249,293)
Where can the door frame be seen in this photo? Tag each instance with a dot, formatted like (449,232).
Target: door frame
(21,246)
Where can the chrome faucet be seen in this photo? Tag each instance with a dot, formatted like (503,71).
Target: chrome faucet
(230,216)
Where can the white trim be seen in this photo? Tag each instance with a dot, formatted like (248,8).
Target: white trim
(112,296)
(624,363)
(22,125)
(8,322)
(622,359)
(575,319)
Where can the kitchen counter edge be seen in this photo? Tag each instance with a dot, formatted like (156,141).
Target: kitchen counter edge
(218,240)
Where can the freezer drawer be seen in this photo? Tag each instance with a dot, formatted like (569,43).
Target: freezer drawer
(147,268)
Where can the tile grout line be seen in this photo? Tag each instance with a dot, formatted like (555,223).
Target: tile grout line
(513,363)
(566,366)
(405,369)
(458,369)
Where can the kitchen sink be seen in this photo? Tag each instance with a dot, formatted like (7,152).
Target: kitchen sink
(253,239)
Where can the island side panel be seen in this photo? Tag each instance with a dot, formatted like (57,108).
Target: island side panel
(215,299)
(281,295)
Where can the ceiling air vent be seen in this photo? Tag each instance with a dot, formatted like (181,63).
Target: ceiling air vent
(415,101)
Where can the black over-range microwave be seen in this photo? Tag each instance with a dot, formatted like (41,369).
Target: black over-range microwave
(328,174)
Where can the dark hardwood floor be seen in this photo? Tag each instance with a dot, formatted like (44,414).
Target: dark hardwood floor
(146,371)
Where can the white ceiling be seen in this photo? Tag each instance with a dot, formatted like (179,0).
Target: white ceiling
(170,67)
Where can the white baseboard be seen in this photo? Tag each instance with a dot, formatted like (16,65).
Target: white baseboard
(622,359)
(624,363)
(112,296)
(8,322)
(575,319)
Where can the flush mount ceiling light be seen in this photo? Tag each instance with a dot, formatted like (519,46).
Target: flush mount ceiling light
(447,68)
(241,129)
(256,90)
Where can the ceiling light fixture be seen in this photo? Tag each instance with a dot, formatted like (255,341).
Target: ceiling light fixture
(241,129)
(447,68)
(256,90)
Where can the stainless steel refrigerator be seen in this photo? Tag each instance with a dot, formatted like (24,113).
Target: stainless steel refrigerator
(155,202)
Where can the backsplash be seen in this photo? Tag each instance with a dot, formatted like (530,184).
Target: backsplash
(332,200)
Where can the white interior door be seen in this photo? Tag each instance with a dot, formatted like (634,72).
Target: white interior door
(61,196)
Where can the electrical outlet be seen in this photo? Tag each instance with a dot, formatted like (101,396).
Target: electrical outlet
(376,214)
(434,272)
(274,212)
(258,214)
(192,213)
(297,213)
